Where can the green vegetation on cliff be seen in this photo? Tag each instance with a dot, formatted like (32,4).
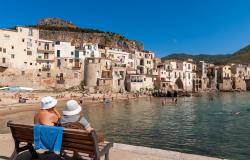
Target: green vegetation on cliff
(216,59)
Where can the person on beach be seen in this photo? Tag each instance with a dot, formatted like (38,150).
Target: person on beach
(71,117)
(47,115)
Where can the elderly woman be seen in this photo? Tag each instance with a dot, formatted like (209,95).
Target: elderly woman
(71,117)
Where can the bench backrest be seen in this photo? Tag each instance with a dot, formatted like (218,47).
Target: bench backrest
(73,140)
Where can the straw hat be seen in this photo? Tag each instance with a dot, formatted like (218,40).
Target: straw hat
(72,108)
(48,102)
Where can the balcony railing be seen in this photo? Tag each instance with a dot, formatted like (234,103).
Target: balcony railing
(44,59)
(76,67)
(4,65)
(47,68)
(60,81)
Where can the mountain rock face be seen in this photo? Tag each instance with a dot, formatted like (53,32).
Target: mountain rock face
(59,29)
(57,22)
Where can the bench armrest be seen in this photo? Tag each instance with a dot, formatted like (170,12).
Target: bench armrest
(106,148)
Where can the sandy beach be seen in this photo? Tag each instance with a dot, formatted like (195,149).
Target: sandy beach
(9,100)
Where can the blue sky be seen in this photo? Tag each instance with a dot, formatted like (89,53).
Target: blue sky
(164,26)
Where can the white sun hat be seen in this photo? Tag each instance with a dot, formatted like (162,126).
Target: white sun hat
(72,108)
(48,102)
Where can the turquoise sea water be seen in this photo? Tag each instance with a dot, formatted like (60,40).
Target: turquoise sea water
(218,128)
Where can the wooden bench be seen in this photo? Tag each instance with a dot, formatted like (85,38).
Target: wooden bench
(73,140)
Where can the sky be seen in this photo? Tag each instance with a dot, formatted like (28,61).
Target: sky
(163,26)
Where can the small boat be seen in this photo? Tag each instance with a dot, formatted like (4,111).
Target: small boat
(106,101)
(15,89)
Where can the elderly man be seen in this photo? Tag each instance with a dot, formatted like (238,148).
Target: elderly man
(47,115)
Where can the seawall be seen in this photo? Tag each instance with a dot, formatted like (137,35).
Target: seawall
(118,152)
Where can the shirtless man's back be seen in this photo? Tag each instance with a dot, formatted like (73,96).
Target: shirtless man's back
(47,115)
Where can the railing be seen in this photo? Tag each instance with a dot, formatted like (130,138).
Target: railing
(45,68)
(76,67)
(4,65)
(60,81)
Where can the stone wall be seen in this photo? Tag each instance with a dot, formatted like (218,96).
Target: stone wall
(43,80)
(226,85)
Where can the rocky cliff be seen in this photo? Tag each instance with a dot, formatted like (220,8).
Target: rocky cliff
(58,29)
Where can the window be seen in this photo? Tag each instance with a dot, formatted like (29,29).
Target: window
(57,42)
(23,40)
(12,56)
(46,46)
(23,73)
(48,75)
(39,57)
(72,53)
(31,64)
(58,53)
(39,44)
(70,60)
(76,54)
(188,66)
(3,60)
(119,82)
(30,32)
(12,47)
(4,50)
(46,55)
(76,75)
(29,53)
(0,49)
(58,63)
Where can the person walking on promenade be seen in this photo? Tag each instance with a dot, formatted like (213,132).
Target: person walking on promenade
(47,115)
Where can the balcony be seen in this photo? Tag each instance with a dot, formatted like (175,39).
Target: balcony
(60,81)
(4,65)
(76,67)
(44,59)
(46,68)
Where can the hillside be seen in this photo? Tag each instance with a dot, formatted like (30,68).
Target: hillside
(62,30)
(241,56)
(216,59)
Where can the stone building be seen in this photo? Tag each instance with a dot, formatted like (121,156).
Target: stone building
(163,80)
(98,74)
(118,75)
(18,48)
(239,74)
(224,78)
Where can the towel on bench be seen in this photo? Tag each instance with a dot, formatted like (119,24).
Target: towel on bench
(48,138)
